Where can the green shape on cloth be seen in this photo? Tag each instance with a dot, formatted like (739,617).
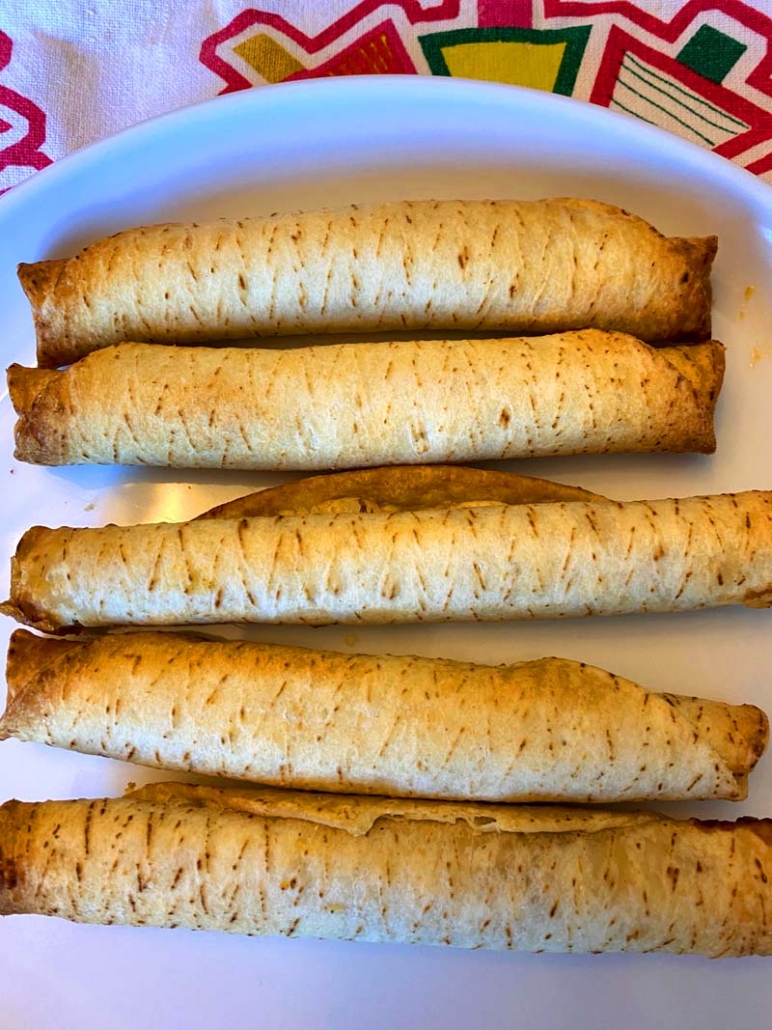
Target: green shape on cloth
(711,53)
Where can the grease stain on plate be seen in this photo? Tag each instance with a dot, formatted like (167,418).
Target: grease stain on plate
(758,353)
(747,295)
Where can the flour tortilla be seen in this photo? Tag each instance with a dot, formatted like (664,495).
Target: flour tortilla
(494,562)
(503,265)
(465,875)
(546,730)
(398,488)
(356,405)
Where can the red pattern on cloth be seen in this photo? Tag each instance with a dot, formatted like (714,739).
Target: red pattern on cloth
(23,151)
(356,16)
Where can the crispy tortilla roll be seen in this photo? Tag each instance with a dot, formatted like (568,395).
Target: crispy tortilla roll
(460,874)
(493,562)
(357,404)
(547,730)
(522,266)
(398,488)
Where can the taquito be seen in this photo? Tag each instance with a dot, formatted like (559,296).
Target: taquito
(423,872)
(494,562)
(398,488)
(363,404)
(546,730)
(521,266)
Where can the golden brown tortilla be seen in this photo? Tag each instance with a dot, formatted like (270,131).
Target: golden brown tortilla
(398,488)
(364,404)
(504,265)
(494,562)
(547,730)
(465,875)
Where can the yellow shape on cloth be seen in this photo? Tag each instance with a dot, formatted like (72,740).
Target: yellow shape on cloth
(518,64)
(268,58)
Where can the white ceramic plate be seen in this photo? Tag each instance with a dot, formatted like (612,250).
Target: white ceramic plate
(331,142)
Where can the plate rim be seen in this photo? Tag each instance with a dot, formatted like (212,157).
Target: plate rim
(305,93)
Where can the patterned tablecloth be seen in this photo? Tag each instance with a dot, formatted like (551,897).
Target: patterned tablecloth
(74,71)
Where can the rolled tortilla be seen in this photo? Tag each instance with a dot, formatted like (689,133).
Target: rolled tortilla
(521,266)
(547,730)
(422,872)
(494,562)
(357,405)
(398,488)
